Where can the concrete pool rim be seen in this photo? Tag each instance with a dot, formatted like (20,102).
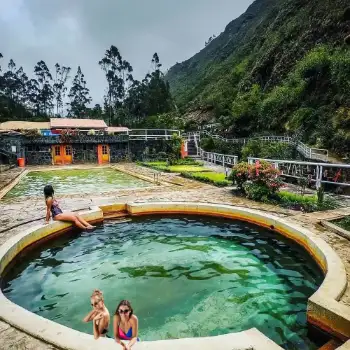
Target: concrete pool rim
(324,310)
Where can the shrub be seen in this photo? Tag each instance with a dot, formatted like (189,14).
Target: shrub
(305,203)
(240,174)
(266,175)
(257,192)
(91,132)
(269,150)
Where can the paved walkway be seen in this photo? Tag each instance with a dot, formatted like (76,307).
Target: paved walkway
(17,215)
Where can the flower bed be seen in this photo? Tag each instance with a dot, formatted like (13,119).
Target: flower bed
(262,182)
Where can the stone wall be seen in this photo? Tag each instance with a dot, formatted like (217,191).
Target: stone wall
(38,151)
(84,153)
(140,149)
(119,152)
(7,143)
(38,154)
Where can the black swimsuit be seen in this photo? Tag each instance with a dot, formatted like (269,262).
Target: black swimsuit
(55,209)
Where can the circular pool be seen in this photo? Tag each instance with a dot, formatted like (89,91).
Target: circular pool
(185,276)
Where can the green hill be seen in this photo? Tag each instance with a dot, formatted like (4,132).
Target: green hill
(281,67)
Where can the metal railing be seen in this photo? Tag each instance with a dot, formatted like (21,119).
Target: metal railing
(306,151)
(218,159)
(212,157)
(152,134)
(327,173)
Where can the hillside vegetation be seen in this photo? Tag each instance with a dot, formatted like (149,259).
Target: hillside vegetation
(281,67)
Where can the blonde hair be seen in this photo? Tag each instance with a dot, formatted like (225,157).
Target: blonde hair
(97,293)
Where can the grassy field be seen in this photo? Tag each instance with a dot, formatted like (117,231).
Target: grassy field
(216,179)
(194,171)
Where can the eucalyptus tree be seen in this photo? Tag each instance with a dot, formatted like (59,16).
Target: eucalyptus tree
(44,101)
(59,86)
(79,96)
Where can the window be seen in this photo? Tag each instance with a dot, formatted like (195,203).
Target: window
(57,150)
(68,150)
(104,149)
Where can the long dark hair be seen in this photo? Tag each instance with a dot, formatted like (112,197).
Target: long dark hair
(48,191)
(124,303)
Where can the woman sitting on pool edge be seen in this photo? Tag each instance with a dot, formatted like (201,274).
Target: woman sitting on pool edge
(57,214)
(99,315)
(125,325)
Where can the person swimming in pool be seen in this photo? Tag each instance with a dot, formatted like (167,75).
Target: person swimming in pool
(125,325)
(57,214)
(99,315)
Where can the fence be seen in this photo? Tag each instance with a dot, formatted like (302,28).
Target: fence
(306,151)
(219,159)
(152,134)
(320,173)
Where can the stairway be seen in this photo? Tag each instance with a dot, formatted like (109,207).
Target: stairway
(192,150)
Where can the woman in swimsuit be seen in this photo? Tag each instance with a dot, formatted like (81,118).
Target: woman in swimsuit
(57,214)
(125,325)
(99,315)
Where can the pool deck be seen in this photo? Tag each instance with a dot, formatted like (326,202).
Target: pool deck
(18,215)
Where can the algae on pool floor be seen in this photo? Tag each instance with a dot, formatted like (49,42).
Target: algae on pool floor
(75,181)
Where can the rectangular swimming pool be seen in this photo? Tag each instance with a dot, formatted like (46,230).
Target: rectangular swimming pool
(75,181)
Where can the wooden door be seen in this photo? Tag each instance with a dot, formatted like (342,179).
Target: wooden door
(57,155)
(103,154)
(62,154)
(68,154)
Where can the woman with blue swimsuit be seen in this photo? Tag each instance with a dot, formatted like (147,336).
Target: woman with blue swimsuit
(52,208)
(125,325)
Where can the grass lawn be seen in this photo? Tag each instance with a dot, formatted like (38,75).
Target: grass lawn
(186,168)
(343,223)
(162,166)
(216,179)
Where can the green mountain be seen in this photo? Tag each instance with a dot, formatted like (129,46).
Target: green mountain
(281,67)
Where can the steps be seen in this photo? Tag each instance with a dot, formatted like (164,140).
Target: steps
(119,215)
(191,148)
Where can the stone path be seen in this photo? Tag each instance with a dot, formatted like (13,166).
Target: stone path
(18,215)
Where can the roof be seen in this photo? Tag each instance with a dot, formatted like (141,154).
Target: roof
(21,125)
(117,129)
(72,123)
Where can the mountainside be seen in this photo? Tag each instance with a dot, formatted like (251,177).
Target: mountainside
(283,66)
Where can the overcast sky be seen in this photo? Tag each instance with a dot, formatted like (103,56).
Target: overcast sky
(77,32)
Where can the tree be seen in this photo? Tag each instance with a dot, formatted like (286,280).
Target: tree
(79,96)
(96,112)
(59,86)
(119,79)
(45,96)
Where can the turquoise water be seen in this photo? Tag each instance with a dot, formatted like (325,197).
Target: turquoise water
(72,181)
(185,277)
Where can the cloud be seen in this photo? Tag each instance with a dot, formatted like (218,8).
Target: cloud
(77,32)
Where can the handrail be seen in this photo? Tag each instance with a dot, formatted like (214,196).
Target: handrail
(335,174)
(152,134)
(306,151)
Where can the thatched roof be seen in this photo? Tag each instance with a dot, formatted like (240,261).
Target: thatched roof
(22,125)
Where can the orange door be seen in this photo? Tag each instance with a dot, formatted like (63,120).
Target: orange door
(103,154)
(68,154)
(62,154)
(57,154)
